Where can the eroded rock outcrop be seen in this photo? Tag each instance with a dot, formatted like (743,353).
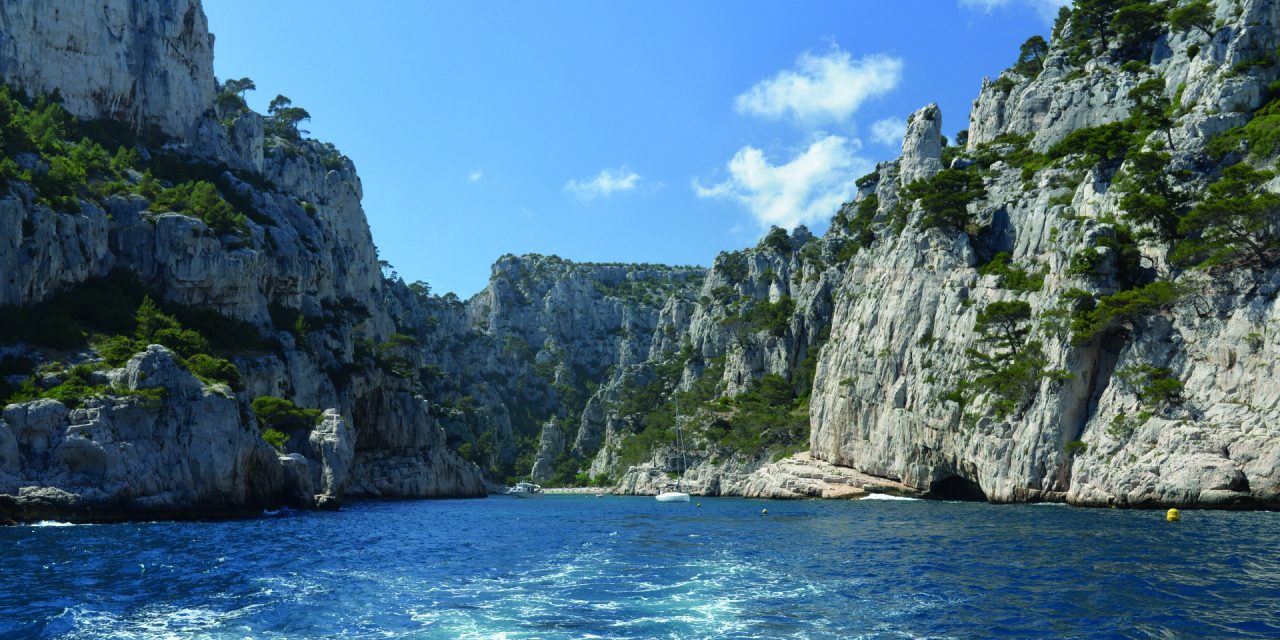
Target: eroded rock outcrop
(166,445)
(551,445)
(333,444)
(922,146)
(145,62)
(800,476)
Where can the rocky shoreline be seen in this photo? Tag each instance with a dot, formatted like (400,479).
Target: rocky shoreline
(795,477)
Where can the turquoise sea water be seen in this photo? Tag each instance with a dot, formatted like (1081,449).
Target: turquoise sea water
(615,567)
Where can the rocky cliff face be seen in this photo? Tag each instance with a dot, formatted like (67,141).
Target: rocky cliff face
(596,354)
(1046,313)
(905,323)
(147,63)
(762,312)
(1137,378)
(556,366)
(540,341)
(301,271)
(182,451)
(1075,94)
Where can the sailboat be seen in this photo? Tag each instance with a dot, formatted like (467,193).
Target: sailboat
(672,492)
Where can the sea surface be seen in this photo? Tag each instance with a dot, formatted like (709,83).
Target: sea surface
(627,567)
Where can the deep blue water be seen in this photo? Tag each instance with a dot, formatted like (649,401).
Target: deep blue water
(579,566)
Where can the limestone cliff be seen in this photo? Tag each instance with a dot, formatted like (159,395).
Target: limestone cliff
(294,275)
(579,368)
(1093,430)
(182,452)
(1140,372)
(149,64)
(1060,307)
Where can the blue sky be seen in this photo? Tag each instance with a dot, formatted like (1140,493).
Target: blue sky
(623,131)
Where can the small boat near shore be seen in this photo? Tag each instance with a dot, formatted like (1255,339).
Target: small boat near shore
(525,490)
(672,492)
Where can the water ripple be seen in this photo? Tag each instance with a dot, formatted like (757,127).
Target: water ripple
(571,567)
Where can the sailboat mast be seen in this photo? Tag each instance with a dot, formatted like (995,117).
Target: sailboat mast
(684,463)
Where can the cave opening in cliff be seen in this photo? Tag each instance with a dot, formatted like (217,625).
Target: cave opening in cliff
(956,488)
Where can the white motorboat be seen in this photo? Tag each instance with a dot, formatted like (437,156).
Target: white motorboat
(525,490)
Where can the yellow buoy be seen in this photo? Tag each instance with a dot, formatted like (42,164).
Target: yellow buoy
(764,512)
(1173,516)
(699,505)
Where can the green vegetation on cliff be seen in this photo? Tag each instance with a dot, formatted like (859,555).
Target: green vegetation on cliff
(1012,277)
(283,415)
(945,198)
(771,414)
(67,160)
(1234,224)
(117,318)
(1009,366)
(1092,26)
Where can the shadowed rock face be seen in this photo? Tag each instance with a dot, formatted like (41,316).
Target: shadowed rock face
(186,452)
(145,62)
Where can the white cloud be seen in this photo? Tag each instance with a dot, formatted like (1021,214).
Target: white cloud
(821,87)
(475,176)
(807,189)
(604,184)
(889,131)
(1048,9)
